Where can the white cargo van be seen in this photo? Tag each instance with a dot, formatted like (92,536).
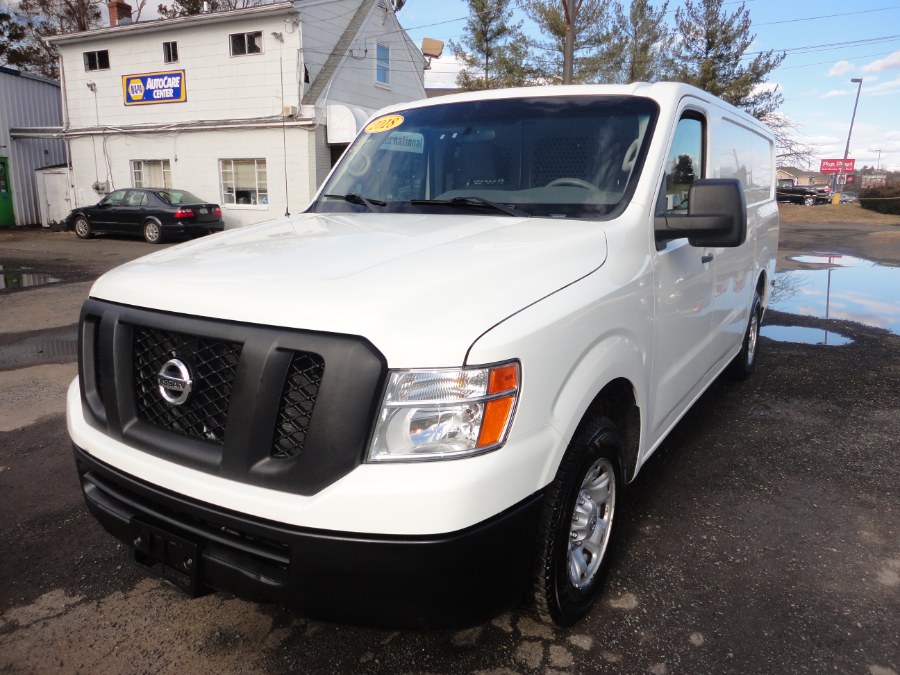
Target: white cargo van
(421,399)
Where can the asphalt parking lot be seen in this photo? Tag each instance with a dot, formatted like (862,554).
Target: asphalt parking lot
(761,538)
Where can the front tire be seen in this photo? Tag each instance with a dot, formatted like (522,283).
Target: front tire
(83,229)
(152,232)
(743,364)
(809,201)
(578,525)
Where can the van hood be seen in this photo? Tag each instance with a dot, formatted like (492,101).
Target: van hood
(421,288)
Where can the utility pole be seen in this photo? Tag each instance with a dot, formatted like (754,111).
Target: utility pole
(570,7)
(840,176)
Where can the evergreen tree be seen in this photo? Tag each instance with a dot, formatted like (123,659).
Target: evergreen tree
(493,51)
(708,53)
(596,53)
(642,42)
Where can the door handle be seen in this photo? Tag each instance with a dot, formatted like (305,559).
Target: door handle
(706,258)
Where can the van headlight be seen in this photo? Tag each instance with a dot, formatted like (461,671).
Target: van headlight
(445,414)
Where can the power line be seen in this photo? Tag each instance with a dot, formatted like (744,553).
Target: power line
(827,16)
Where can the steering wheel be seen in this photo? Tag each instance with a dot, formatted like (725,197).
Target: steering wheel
(571,182)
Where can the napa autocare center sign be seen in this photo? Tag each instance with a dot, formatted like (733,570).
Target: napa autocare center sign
(150,88)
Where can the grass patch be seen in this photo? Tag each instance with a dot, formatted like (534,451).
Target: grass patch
(834,213)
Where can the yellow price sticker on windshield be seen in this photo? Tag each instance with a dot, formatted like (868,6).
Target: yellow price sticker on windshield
(385,123)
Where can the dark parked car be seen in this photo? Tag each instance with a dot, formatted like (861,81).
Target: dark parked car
(808,195)
(154,213)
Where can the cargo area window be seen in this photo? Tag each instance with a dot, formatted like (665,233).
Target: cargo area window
(98,60)
(246,43)
(243,181)
(170,52)
(151,173)
(685,162)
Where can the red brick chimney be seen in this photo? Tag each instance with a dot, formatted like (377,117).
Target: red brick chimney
(118,11)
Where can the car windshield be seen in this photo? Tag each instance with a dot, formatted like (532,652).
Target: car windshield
(573,156)
(176,197)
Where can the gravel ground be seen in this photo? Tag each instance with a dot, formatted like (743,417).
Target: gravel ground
(762,536)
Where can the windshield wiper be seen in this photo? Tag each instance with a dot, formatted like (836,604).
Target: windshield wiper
(464,202)
(354,198)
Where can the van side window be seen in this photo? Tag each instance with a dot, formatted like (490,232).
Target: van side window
(685,162)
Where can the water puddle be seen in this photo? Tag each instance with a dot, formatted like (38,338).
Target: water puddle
(805,336)
(13,276)
(58,345)
(840,287)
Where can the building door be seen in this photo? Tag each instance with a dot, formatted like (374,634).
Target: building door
(7,216)
(53,195)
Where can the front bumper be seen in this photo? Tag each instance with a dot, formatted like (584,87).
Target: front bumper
(437,580)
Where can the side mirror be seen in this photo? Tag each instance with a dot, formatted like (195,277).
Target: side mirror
(717,215)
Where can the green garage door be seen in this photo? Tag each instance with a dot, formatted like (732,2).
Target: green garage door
(7,217)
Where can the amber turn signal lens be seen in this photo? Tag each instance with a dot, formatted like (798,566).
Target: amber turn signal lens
(504,378)
(493,424)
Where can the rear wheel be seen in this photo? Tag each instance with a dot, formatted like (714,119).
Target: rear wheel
(742,366)
(152,232)
(83,228)
(578,525)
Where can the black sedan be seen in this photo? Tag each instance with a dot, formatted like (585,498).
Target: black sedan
(154,213)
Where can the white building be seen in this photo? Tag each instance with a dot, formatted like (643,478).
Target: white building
(26,101)
(248,107)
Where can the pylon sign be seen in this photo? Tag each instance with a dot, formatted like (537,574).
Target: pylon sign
(837,166)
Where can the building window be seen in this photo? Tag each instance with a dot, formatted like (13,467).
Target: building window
(243,181)
(246,43)
(382,64)
(151,173)
(96,60)
(170,52)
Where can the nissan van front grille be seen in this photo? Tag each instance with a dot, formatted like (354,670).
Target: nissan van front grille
(250,403)
(301,387)
(212,364)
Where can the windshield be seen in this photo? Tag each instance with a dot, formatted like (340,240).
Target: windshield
(572,156)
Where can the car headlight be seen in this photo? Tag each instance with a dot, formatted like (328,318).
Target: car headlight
(445,414)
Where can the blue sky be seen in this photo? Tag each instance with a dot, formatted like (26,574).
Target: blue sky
(828,42)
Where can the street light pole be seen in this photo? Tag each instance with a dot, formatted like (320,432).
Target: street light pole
(858,81)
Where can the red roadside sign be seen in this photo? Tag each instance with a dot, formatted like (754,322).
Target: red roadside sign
(837,166)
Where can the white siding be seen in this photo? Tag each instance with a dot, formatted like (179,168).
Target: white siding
(194,160)
(219,86)
(357,71)
(107,135)
(323,24)
(27,101)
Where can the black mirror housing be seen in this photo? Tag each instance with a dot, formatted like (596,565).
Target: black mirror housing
(717,215)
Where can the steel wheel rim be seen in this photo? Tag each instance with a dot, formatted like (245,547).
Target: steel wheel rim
(752,337)
(591,523)
(81,227)
(151,231)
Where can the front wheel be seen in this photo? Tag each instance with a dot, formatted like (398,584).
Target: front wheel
(152,232)
(809,201)
(83,228)
(742,366)
(578,525)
